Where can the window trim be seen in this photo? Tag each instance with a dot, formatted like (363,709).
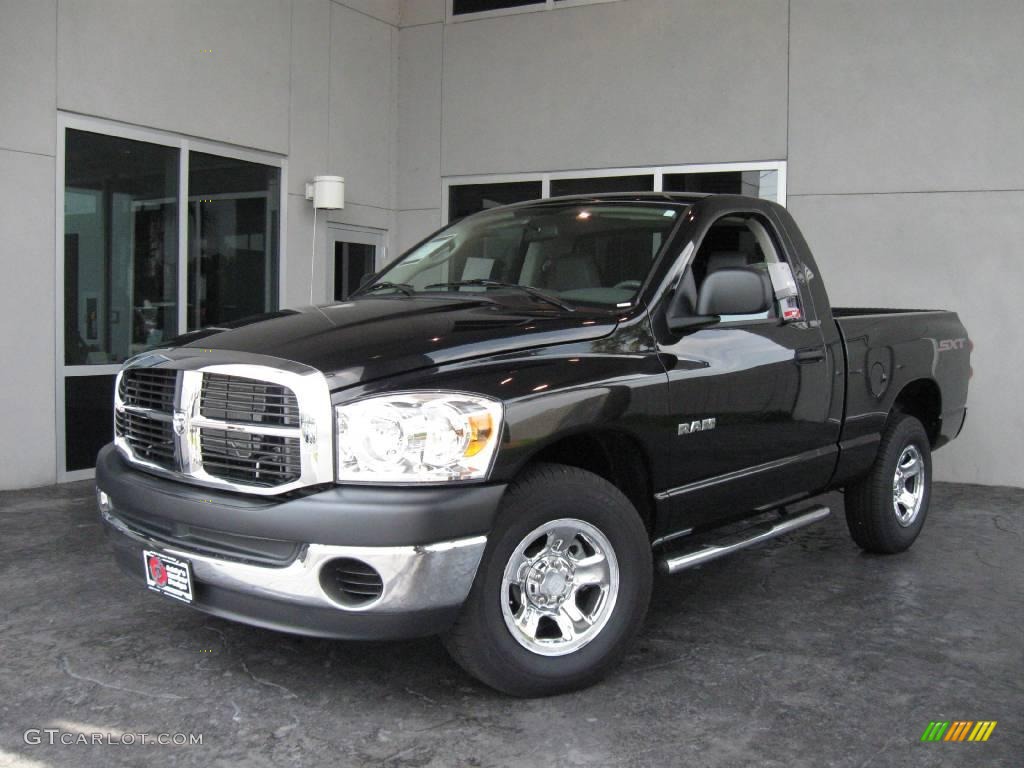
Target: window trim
(658,171)
(450,17)
(184,144)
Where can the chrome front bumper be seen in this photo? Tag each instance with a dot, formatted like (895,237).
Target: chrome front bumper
(415,578)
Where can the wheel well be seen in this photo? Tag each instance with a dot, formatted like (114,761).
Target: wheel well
(617,458)
(922,400)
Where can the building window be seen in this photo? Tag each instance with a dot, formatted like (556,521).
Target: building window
(120,247)
(464,195)
(462,7)
(232,239)
(464,199)
(162,235)
(598,184)
(762,183)
(464,10)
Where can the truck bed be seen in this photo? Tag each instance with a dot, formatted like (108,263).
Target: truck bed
(862,311)
(889,349)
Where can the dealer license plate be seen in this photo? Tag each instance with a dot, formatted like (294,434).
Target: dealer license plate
(168,575)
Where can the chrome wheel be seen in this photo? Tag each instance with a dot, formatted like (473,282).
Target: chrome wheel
(908,486)
(559,587)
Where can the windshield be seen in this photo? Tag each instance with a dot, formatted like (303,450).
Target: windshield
(567,254)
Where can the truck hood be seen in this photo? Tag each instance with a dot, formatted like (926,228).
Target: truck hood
(371,338)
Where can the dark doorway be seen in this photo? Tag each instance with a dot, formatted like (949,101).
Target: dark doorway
(352,262)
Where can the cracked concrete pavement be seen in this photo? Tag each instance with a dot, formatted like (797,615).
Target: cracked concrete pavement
(800,652)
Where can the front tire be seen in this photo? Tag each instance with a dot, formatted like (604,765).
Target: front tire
(886,510)
(562,589)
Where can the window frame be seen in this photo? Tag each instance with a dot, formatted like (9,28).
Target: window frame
(184,145)
(781,252)
(658,171)
(450,17)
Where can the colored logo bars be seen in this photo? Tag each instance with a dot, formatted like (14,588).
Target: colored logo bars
(958,730)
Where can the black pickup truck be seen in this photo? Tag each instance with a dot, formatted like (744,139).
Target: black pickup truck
(504,432)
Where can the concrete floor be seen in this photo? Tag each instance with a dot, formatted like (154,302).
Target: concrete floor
(801,652)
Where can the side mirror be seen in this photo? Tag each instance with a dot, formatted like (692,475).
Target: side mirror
(735,291)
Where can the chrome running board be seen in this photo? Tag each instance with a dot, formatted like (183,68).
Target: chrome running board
(715,548)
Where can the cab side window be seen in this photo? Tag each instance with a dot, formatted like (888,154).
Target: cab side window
(736,241)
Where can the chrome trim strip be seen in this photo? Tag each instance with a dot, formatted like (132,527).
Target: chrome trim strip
(415,577)
(316,421)
(149,412)
(754,535)
(699,485)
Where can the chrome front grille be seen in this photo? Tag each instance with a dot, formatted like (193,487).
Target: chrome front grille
(245,427)
(148,388)
(232,398)
(251,459)
(150,438)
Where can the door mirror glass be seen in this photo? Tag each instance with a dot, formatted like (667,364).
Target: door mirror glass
(735,291)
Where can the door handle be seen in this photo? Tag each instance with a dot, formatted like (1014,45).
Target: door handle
(812,355)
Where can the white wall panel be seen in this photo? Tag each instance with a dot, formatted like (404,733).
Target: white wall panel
(906,96)
(145,62)
(28,63)
(949,251)
(640,82)
(419,117)
(362,93)
(27,210)
(310,92)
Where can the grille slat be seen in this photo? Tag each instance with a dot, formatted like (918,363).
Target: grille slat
(150,439)
(148,388)
(234,398)
(253,459)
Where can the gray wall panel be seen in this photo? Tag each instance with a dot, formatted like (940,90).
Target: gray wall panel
(28,61)
(627,83)
(142,62)
(420,12)
(949,251)
(310,93)
(382,10)
(419,117)
(361,115)
(908,96)
(27,213)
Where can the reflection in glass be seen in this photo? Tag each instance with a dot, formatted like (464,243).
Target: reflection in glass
(596,185)
(89,416)
(757,183)
(460,7)
(233,220)
(352,262)
(120,247)
(464,199)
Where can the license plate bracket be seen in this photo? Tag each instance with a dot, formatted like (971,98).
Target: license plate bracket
(168,575)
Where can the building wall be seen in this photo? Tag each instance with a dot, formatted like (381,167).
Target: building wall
(314,81)
(899,122)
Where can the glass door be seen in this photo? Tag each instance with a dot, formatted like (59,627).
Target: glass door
(355,253)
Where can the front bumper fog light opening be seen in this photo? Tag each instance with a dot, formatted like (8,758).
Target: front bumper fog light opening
(350,582)
(103,501)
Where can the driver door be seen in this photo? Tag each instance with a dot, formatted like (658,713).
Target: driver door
(749,395)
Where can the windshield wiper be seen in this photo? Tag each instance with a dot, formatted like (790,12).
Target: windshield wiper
(403,288)
(534,292)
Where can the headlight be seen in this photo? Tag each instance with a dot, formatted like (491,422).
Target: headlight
(417,437)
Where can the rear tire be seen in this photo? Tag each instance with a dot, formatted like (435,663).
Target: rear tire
(562,589)
(886,510)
